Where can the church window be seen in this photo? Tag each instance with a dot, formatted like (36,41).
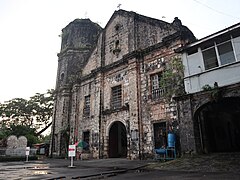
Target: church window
(157,90)
(116,98)
(86,110)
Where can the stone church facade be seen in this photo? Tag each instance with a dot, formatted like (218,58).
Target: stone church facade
(108,90)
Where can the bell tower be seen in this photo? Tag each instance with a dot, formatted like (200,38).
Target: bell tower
(78,40)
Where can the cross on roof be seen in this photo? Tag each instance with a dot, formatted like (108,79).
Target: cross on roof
(119,6)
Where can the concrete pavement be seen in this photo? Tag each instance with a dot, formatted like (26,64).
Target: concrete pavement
(214,166)
(59,168)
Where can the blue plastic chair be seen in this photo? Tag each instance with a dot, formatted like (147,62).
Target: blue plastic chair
(160,153)
(170,151)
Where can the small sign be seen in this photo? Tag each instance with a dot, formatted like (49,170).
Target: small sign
(27,151)
(71,150)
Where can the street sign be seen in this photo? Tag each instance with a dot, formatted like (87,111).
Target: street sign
(71,150)
(71,153)
(27,151)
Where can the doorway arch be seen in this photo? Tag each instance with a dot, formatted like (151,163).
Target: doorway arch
(217,126)
(117,147)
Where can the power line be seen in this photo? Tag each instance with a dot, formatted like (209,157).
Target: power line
(220,12)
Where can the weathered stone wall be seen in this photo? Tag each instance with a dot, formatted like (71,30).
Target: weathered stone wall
(158,110)
(185,116)
(151,31)
(94,60)
(188,106)
(118,38)
(127,52)
(81,33)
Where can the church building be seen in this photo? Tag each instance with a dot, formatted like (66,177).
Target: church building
(115,86)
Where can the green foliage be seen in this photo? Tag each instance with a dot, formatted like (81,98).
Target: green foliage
(172,78)
(38,109)
(46,139)
(21,117)
(207,87)
(19,130)
(4,133)
(215,92)
(42,106)
(32,139)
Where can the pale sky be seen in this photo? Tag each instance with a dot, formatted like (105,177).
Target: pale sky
(30,29)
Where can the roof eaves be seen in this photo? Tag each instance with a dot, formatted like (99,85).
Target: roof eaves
(219,33)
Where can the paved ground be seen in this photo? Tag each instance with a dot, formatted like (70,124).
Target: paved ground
(218,162)
(215,166)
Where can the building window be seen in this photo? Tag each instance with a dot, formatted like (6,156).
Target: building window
(86,109)
(218,54)
(157,91)
(116,98)
(210,58)
(225,52)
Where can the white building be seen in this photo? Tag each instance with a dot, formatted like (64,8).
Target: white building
(215,58)
(209,112)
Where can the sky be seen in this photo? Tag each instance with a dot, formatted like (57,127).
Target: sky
(30,29)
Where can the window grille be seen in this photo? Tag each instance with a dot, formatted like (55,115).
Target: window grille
(86,110)
(116,101)
(157,90)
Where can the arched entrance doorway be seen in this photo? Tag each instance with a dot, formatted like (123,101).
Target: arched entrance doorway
(117,141)
(217,126)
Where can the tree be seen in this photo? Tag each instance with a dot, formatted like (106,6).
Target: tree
(31,113)
(42,105)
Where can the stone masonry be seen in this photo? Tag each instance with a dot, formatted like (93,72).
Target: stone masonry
(105,92)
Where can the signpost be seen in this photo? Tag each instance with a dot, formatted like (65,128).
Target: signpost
(27,153)
(71,153)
